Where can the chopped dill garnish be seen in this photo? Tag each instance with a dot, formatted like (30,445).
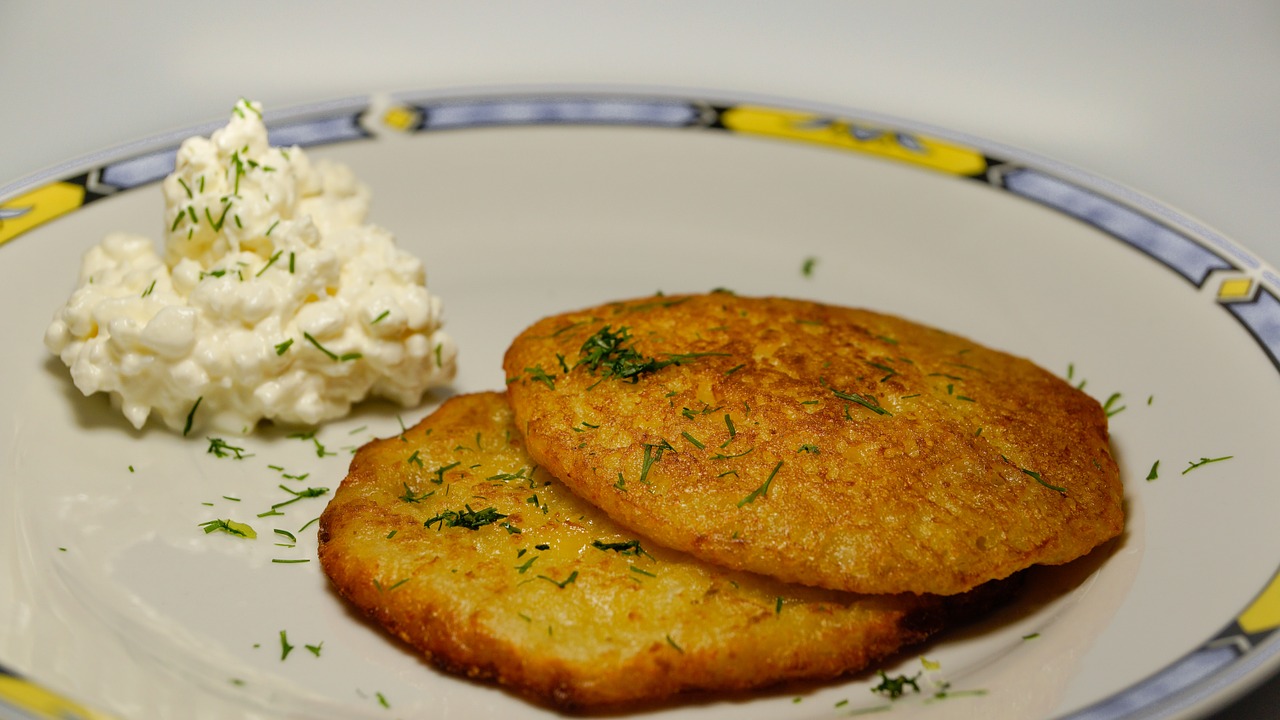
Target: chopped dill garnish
(1036,476)
(561,584)
(285,647)
(270,262)
(944,691)
(806,268)
(321,451)
(467,518)
(652,454)
(517,475)
(230,527)
(219,448)
(438,473)
(217,224)
(537,374)
(763,490)
(693,441)
(630,548)
(886,368)
(310,492)
(191,416)
(611,352)
(1204,461)
(867,402)
(410,497)
(332,356)
(282,347)
(722,456)
(380,318)
(1109,406)
(1153,474)
(896,687)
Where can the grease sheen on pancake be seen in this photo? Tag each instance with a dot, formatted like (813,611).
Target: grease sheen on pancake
(817,444)
(558,603)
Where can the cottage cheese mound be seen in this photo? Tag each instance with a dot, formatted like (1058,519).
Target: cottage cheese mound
(273,298)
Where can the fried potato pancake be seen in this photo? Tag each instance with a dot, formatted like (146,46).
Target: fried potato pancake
(816,444)
(451,538)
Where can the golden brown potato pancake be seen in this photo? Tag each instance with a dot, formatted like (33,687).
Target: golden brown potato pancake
(816,444)
(452,539)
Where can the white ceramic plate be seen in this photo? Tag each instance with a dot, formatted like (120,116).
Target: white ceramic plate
(528,204)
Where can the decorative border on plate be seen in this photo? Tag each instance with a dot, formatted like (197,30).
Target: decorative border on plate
(27,701)
(1213,265)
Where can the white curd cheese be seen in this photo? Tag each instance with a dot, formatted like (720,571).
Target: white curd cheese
(273,299)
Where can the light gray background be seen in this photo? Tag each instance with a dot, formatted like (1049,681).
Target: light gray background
(1178,100)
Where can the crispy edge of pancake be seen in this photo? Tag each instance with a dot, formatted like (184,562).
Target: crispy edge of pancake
(808,634)
(954,487)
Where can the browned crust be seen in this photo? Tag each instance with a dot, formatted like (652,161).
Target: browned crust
(946,489)
(614,636)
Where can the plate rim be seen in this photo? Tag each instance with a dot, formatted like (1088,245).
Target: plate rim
(1258,655)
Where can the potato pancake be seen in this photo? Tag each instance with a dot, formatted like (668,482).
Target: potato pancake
(451,538)
(816,444)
